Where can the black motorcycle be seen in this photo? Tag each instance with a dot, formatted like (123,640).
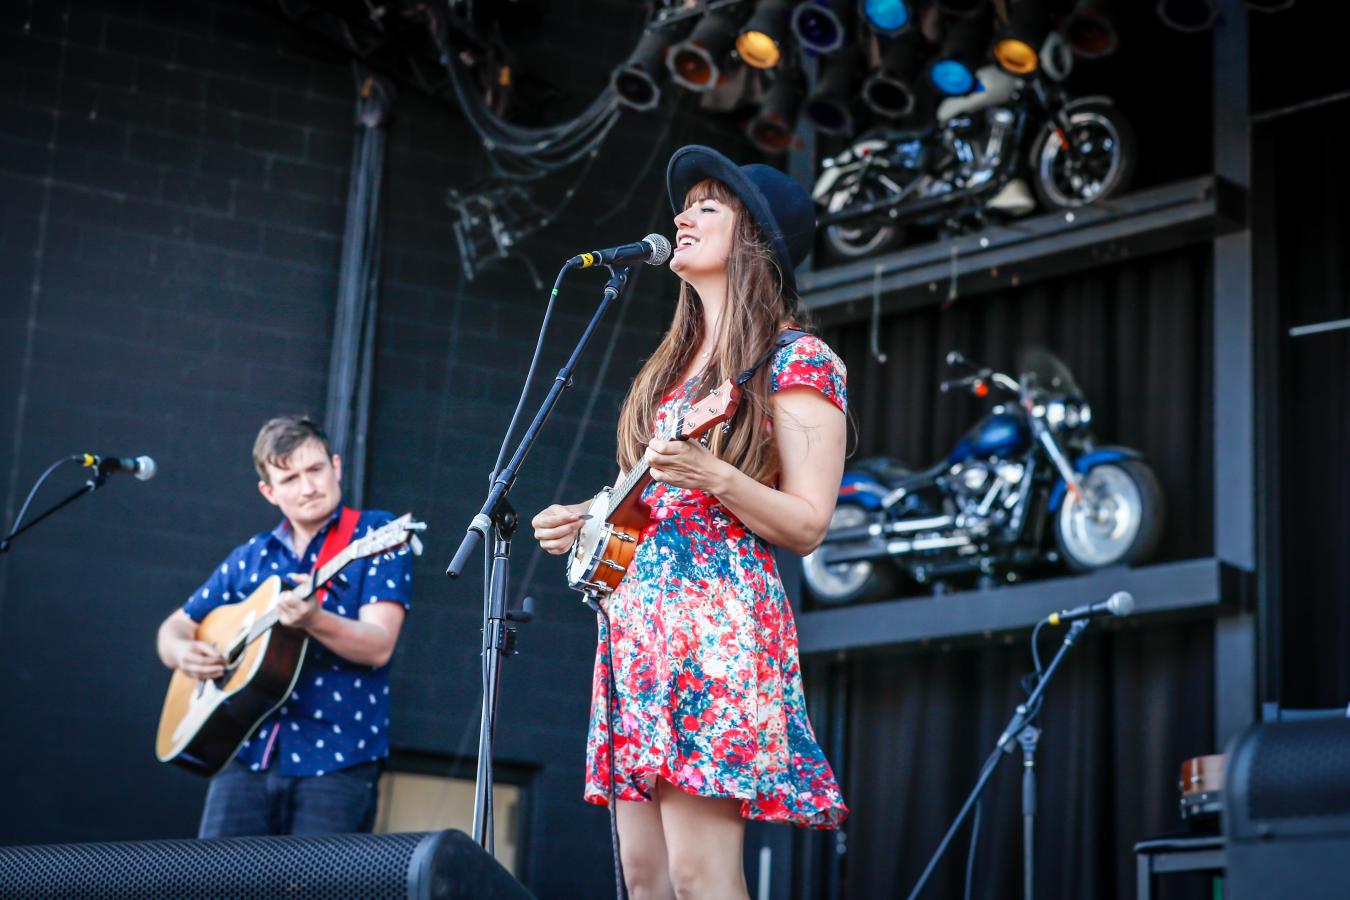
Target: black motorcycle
(974,162)
(1026,486)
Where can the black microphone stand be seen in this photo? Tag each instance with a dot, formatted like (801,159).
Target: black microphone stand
(94,483)
(500,520)
(1016,732)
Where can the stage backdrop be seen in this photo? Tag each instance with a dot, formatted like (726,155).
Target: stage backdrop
(1128,705)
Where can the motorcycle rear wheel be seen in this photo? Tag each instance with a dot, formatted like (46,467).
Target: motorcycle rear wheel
(1101,164)
(846,583)
(862,237)
(1124,524)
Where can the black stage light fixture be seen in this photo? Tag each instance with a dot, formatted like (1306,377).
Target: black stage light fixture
(1188,15)
(960,9)
(1269,6)
(696,63)
(952,71)
(773,127)
(889,90)
(831,108)
(1017,45)
(1090,29)
(761,40)
(822,25)
(638,81)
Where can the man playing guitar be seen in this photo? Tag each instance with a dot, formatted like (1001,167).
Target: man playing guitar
(313,766)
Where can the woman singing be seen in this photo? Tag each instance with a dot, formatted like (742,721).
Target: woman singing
(709,718)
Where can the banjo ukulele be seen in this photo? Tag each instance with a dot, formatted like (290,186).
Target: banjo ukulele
(608,538)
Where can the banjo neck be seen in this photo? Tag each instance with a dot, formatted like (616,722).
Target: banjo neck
(718,406)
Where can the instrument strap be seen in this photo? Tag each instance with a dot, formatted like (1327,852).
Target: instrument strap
(787,337)
(335,543)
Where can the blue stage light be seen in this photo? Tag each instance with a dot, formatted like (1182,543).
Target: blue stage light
(952,77)
(886,16)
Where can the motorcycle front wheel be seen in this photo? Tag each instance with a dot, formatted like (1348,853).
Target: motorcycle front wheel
(862,237)
(1119,521)
(844,583)
(1096,164)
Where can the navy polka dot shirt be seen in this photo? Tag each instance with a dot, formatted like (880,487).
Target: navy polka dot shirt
(338,714)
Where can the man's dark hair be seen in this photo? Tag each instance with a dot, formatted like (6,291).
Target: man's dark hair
(280,436)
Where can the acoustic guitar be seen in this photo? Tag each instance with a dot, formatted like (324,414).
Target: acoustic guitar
(615,517)
(205,721)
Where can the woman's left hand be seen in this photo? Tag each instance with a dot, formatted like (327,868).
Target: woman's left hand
(684,464)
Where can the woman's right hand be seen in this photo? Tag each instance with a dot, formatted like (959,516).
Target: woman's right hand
(556,527)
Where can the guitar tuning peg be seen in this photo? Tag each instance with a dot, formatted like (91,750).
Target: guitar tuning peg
(726,428)
(416,544)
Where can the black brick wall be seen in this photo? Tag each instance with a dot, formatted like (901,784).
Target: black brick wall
(173,182)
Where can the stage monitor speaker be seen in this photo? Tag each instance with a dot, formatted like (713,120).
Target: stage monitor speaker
(1287,811)
(443,865)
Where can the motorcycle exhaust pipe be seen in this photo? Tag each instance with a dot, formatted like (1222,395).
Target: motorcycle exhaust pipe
(867,532)
(876,550)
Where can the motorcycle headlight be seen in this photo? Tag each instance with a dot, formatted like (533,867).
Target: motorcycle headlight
(1067,415)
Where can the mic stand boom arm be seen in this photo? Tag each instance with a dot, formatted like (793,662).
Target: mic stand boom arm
(94,482)
(1021,720)
(498,517)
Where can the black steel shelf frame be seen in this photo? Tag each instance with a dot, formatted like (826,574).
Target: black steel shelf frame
(1195,586)
(1147,221)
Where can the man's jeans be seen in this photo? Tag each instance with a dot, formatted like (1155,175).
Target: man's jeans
(240,802)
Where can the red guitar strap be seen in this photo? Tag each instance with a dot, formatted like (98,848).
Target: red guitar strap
(335,543)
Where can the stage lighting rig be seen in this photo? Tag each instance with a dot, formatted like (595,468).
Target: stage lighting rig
(696,63)
(772,128)
(638,81)
(1188,16)
(889,91)
(1017,45)
(831,107)
(821,26)
(952,71)
(760,43)
(1090,29)
(887,17)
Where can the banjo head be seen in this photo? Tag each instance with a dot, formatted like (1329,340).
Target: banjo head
(587,549)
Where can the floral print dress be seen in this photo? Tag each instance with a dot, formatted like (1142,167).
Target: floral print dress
(708,685)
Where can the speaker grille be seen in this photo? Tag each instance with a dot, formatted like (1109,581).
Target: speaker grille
(1298,770)
(324,867)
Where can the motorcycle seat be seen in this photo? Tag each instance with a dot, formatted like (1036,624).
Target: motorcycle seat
(883,469)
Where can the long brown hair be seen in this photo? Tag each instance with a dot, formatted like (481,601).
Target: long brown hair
(757,309)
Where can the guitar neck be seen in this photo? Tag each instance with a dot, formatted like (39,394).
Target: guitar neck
(325,574)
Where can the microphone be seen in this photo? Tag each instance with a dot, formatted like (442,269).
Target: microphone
(143,467)
(1121,603)
(653,250)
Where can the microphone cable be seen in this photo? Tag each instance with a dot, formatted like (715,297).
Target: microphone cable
(13,529)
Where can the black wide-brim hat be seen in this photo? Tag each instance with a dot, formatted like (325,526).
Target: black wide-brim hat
(781,207)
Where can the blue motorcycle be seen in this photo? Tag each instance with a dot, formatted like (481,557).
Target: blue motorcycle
(1025,487)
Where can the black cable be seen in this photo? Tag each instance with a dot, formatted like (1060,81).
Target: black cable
(974,841)
(620,892)
(534,363)
(37,484)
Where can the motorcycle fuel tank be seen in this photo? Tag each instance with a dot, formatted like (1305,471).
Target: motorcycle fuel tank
(1000,434)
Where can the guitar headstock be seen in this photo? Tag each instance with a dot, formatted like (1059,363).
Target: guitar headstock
(717,407)
(401,531)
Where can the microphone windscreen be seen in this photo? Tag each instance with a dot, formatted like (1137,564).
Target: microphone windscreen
(660,249)
(1121,603)
(145,468)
